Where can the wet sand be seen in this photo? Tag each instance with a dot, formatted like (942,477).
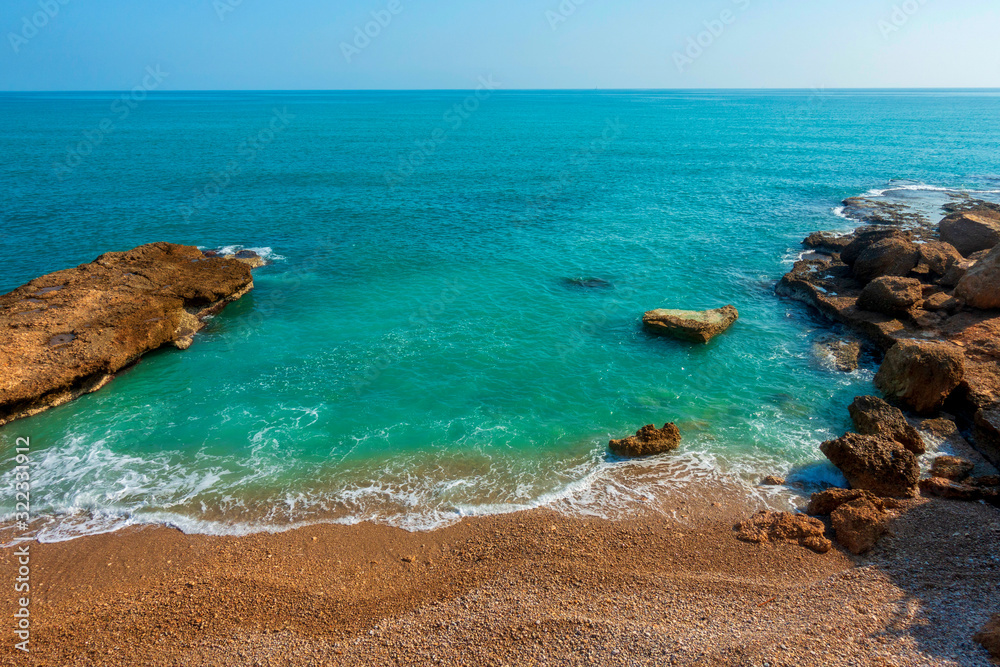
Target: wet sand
(534,588)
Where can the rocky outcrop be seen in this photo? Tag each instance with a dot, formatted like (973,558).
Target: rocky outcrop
(874,463)
(825,502)
(952,467)
(980,286)
(889,257)
(987,432)
(67,333)
(971,231)
(827,242)
(946,488)
(648,441)
(873,416)
(770,527)
(943,263)
(891,295)
(858,524)
(921,375)
(989,636)
(699,326)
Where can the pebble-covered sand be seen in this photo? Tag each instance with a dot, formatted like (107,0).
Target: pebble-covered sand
(535,588)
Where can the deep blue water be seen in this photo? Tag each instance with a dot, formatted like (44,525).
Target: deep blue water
(416,351)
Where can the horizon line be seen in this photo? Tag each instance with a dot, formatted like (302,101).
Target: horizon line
(512,90)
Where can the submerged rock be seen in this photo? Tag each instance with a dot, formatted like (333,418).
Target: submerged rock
(874,463)
(920,374)
(844,352)
(587,283)
(648,441)
(698,326)
(767,527)
(67,333)
(980,286)
(971,231)
(772,480)
(873,416)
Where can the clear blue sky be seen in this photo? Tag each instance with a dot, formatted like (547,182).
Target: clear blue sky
(298,44)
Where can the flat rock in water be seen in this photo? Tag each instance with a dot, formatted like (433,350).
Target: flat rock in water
(67,333)
(699,326)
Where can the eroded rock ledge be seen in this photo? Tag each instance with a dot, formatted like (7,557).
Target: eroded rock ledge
(67,333)
(931,305)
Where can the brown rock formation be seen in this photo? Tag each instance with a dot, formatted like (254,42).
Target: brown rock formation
(943,262)
(67,333)
(891,295)
(971,231)
(858,524)
(889,257)
(921,375)
(648,441)
(952,467)
(693,325)
(873,416)
(843,352)
(825,502)
(874,463)
(946,488)
(980,286)
(767,527)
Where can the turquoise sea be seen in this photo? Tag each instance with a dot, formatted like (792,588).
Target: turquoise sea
(450,323)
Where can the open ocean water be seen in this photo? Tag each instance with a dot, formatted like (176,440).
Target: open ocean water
(450,324)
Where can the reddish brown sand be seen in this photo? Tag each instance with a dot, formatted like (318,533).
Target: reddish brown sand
(536,588)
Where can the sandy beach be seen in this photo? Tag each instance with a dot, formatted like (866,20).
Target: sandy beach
(533,588)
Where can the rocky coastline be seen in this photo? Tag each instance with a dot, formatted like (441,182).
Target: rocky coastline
(68,333)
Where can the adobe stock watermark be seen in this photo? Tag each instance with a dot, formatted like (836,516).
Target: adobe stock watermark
(452,120)
(223,7)
(32,25)
(556,17)
(901,15)
(22,554)
(120,110)
(714,29)
(363,35)
(246,152)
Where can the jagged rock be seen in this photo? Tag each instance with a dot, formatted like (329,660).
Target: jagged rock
(971,231)
(698,326)
(873,416)
(766,527)
(827,242)
(952,467)
(891,295)
(941,301)
(920,374)
(844,352)
(867,237)
(980,286)
(889,257)
(943,262)
(989,636)
(772,480)
(874,463)
(825,502)
(985,480)
(858,524)
(68,333)
(648,441)
(946,488)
